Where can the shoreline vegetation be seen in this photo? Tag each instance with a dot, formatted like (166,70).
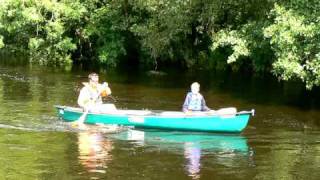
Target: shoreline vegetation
(269,36)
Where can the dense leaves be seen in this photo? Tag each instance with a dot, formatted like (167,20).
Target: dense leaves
(294,37)
(260,36)
(39,27)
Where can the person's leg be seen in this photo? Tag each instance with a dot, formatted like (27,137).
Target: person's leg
(107,108)
(94,109)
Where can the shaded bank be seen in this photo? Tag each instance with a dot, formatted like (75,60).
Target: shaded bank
(261,89)
(272,36)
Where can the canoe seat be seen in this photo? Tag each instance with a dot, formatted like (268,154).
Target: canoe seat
(172,113)
(108,107)
(227,112)
(135,112)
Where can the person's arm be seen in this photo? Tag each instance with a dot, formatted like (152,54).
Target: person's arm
(83,98)
(186,103)
(204,107)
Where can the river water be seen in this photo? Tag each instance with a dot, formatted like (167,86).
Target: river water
(281,141)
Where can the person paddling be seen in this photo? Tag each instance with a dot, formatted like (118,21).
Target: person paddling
(194,100)
(90,97)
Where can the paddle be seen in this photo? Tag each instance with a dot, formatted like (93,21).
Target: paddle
(80,121)
(83,117)
(252,112)
(230,112)
(111,97)
(223,112)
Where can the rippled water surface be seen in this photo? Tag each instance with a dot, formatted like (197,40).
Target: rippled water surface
(281,142)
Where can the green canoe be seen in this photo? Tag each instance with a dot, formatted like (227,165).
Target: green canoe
(173,120)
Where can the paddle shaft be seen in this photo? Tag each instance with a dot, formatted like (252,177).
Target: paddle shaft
(83,117)
(114,99)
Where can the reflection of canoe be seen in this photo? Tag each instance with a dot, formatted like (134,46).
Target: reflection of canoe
(163,120)
(179,140)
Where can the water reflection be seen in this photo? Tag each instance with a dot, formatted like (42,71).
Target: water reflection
(94,151)
(284,133)
(226,150)
(192,152)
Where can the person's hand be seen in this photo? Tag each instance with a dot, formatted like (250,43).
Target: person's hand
(105,90)
(108,91)
(188,112)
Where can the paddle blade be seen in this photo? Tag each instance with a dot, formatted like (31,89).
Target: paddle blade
(82,118)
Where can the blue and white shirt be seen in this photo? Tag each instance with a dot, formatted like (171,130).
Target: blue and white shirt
(194,102)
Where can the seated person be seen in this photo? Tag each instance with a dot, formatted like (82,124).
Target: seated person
(90,97)
(194,100)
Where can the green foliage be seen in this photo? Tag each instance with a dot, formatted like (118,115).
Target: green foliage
(163,25)
(39,27)
(295,41)
(234,39)
(246,44)
(1,42)
(270,36)
(175,30)
(105,30)
(288,37)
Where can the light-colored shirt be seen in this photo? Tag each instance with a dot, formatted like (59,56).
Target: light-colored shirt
(89,96)
(194,102)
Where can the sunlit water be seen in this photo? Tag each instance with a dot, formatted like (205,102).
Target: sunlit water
(281,141)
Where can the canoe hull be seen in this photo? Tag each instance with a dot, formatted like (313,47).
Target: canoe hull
(207,123)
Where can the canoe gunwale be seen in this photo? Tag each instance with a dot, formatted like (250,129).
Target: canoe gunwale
(156,113)
(204,122)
